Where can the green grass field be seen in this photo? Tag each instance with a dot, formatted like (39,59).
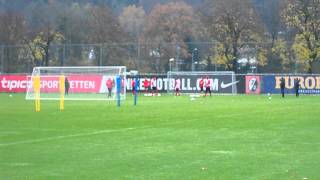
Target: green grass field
(221,137)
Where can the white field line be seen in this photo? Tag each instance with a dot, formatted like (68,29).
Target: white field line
(5,133)
(63,137)
(221,152)
(14,131)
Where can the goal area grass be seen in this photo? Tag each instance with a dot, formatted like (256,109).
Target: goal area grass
(166,137)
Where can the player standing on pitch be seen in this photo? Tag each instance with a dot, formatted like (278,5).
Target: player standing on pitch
(133,85)
(110,84)
(208,86)
(177,87)
(146,85)
(66,86)
(154,86)
(201,83)
(297,86)
(282,86)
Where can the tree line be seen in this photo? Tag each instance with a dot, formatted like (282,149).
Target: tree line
(214,35)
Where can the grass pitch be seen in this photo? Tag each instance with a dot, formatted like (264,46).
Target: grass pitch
(167,137)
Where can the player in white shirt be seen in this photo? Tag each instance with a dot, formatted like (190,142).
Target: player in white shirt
(154,86)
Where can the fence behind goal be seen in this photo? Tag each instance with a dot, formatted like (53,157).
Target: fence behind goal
(79,83)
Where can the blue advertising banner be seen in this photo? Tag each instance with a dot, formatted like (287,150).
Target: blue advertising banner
(269,85)
(309,84)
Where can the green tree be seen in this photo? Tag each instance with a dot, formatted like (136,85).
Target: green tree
(40,45)
(281,52)
(303,16)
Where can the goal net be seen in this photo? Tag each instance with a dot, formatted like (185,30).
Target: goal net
(223,82)
(78,83)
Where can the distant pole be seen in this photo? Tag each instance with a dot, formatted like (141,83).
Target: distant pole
(177,57)
(64,54)
(169,76)
(296,67)
(61,54)
(194,53)
(135,98)
(100,59)
(192,61)
(138,63)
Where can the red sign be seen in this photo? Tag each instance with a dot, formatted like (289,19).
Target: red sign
(253,85)
(77,83)
(88,83)
(13,83)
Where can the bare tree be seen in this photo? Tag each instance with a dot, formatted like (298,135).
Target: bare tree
(172,24)
(132,20)
(233,24)
(105,30)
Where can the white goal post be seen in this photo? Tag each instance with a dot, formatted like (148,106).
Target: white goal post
(78,83)
(222,82)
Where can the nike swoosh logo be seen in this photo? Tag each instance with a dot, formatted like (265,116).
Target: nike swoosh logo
(223,85)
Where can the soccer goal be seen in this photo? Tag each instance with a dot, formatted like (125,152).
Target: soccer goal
(223,82)
(77,83)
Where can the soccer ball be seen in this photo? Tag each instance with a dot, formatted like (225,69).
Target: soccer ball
(269,97)
(10,95)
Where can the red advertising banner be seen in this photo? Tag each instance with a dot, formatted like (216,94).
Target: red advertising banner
(77,83)
(253,85)
(80,83)
(13,83)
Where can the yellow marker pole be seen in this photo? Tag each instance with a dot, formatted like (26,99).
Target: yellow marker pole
(62,89)
(38,92)
(36,86)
